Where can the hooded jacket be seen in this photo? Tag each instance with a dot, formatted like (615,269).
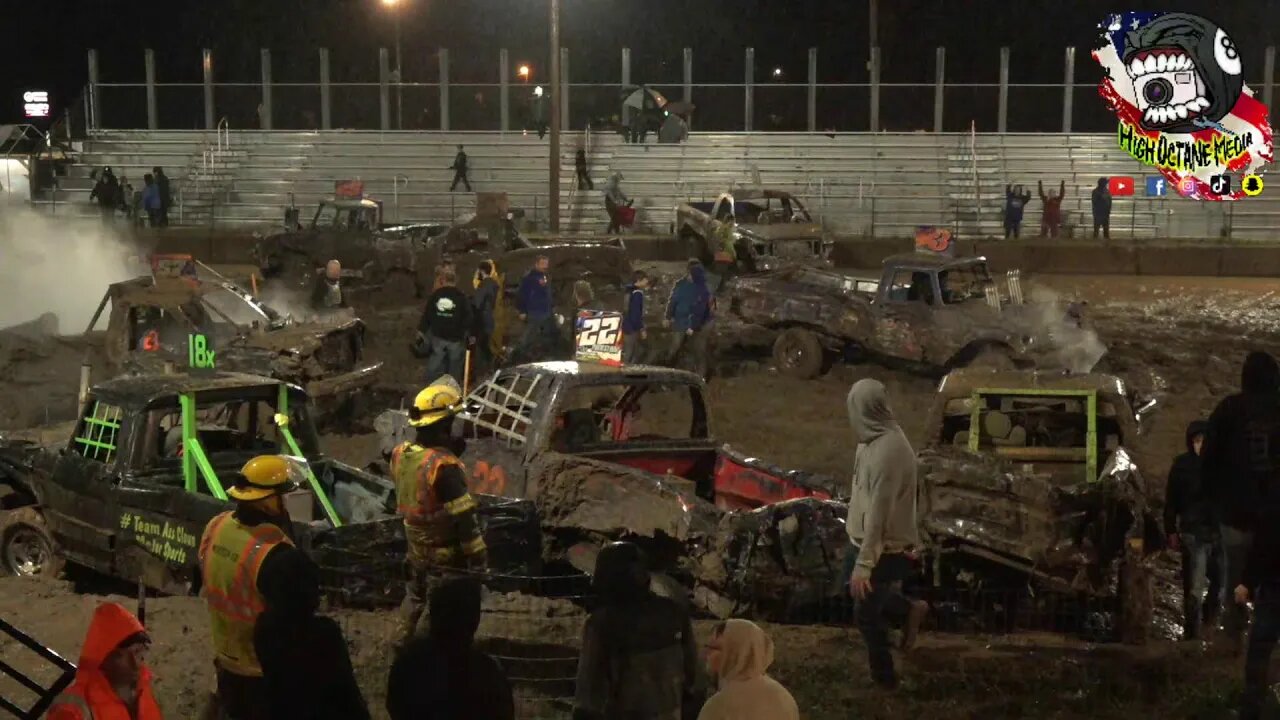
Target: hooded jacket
(1185,508)
(1014,203)
(746,692)
(690,305)
(1100,200)
(111,626)
(882,506)
(1241,452)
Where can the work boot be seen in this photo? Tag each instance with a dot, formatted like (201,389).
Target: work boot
(916,614)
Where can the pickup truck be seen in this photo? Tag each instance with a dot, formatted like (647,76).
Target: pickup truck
(771,227)
(609,452)
(131,489)
(926,310)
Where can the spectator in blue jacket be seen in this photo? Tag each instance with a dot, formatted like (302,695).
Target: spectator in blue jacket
(151,199)
(633,330)
(537,309)
(688,314)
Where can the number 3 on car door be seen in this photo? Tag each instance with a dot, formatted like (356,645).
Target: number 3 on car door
(599,331)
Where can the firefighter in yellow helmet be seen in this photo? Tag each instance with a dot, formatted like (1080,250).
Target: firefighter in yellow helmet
(440,522)
(242,552)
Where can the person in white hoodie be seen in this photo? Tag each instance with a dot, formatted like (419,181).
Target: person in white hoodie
(882,527)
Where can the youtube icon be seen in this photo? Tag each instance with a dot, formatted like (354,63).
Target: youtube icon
(1120,185)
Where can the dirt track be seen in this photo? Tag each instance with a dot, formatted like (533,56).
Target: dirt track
(1182,338)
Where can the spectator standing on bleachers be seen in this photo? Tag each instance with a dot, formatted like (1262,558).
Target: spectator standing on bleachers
(151,200)
(1015,201)
(126,198)
(166,194)
(580,166)
(613,200)
(106,192)
(674,129)
(459,168)
(1101,202)
(1051,218)
(538,111)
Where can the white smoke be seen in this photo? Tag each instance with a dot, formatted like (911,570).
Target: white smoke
(1078,349)
(57,265)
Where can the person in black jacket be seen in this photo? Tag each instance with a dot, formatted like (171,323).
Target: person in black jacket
(442,676)
(639,658)
(1242,454)
(1100,203)
(1192,528)
(485,305)
(448,327)
(306,668)
(1261,585)
(166,194)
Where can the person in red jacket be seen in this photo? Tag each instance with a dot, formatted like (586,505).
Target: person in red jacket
(112,681)
(1051,218)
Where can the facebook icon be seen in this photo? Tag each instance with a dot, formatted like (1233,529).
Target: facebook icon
(1156,186)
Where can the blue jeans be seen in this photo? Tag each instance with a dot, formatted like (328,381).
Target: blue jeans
(446,357)
(873,614)
(1262,643)
(1203,595)
(540,340)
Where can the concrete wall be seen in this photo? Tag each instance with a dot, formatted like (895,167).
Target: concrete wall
(864,184)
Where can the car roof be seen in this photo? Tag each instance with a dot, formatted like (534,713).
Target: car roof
(595,370)
(929,262)
(172,289)
(138,391)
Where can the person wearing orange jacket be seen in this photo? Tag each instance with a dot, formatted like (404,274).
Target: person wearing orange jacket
(112,681)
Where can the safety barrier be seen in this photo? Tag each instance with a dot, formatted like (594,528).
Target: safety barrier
(44,696)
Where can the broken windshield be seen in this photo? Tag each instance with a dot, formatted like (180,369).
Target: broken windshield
(964,283)
(229,303)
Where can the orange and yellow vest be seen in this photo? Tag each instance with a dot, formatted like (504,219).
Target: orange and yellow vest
(231,555)
(428,526)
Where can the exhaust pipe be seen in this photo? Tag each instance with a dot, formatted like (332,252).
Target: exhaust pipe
(993,297)
(84,383)
(1014,280)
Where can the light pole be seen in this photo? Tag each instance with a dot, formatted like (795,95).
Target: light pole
(395,12)
(554,200)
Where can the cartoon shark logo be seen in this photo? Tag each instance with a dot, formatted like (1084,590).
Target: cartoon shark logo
(1183,68)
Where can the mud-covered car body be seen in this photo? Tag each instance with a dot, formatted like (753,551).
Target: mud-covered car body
(771,227)
(152,318)
(130,492)
(926,310)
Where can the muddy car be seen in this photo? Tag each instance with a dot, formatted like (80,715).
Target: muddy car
(129,492)
(1029,496)
(771,227)
(152,319)
(607,453)
(926,311)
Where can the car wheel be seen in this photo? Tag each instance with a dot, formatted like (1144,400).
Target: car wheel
(26,547)
(798,353)
(993,358)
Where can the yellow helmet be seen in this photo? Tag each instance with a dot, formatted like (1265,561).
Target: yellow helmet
(438,401)
(262,477)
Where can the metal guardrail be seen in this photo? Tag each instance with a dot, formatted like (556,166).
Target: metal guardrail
(45,696)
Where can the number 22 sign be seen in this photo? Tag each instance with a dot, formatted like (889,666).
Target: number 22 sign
(599,337)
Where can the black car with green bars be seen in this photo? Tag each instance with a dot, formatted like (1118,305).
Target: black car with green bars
(145,469)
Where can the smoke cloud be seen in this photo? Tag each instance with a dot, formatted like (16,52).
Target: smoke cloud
(57,265)
(1078,349)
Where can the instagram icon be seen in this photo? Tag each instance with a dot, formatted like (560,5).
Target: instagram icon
(1187,186)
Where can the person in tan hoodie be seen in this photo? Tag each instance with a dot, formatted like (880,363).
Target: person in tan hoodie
(738,654)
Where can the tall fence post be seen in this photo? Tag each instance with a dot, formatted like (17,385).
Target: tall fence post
(265,115)
(875,89)
(813,90)
(1068,91)
(384,90)
(149,59)
(325,100)
(206,64)
(564,90)
(504,90)
(687,61)
(94,89)
(939,86)
(1002,114)
(444,88)
(626,83)
(748,107)
(1269,73)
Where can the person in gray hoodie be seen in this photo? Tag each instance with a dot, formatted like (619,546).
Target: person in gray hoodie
(882,527)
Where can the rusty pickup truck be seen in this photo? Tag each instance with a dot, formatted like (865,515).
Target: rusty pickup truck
(770,227)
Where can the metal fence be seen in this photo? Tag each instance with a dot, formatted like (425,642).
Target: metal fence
(761,102)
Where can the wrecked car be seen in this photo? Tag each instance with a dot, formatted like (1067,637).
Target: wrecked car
(771,227)
(610,452)
(927,311)
(130,491)
(152,318)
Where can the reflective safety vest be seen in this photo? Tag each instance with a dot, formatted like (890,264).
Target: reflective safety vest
(428,525)
(231,556)
(725,250)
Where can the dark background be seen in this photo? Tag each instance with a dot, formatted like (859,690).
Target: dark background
(49,39)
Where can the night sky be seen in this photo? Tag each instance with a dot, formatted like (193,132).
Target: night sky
(52,36)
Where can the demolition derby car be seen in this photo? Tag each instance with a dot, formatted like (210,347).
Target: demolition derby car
(929,311)
(152,318)
(770,228)
(130,491)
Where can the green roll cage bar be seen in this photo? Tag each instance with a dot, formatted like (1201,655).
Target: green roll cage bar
(1091,433)
(195,463)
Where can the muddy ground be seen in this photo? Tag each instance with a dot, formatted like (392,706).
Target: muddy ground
(1180,338)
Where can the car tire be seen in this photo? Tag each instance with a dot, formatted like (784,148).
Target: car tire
(992,358)
(798,353)
(26,546)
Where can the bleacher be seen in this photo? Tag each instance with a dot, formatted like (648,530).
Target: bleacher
(880,184)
